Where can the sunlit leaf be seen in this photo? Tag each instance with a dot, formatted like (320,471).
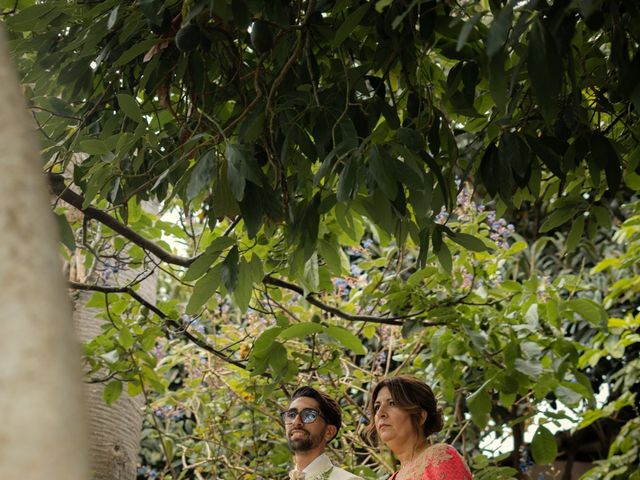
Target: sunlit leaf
(112,392)
(346,338)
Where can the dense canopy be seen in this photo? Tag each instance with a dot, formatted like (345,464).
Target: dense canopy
(349,189)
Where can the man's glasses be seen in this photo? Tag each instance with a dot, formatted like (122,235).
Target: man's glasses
(307,415)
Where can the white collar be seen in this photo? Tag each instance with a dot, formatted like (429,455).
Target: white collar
(320,465)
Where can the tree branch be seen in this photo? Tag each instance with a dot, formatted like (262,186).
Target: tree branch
(173,323)
(62,191)
(269,280)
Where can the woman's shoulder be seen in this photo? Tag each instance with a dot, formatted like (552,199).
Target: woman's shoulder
(438,453)
(445,459)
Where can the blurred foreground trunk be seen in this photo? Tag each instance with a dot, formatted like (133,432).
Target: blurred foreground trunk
(42,420)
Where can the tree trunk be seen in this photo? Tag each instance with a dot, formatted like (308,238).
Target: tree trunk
(115,430)
(42,422)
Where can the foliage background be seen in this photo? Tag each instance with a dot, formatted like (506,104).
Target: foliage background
(349,190)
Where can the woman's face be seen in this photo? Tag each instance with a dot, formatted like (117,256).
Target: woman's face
(393,424)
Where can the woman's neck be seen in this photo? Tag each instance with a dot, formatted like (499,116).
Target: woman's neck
(407,453)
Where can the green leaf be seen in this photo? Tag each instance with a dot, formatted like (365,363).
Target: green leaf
(545,154)
(602,215)
(125,338)
(544,447)
(130,107)
(150,10)
(442,183)
(499,31)
(635,97)
(575,234)
(241,14)
(424,247)
(278,359)
(311,274)
(252,127)
(346,338)
(242,166)
(111,356)
(265,340)
(382,169)
(568,396)
(66,233)
(93,147)
(257,270)
(204,261)
(235,176)
(466,30)
(224,203)
(230,269)
(350,23)
(135,51)
(607,159)
(113,18)
(528,367)
(26,18)
(469,242)
(204,290)
(202,174)
(591,311)
(331,256)
(409,137)
(251,208)
(498,86)
(134,388)
(515,152)
(496,172)
(301,330)
(589,7)
(347,182)
(309,226)
(444,257)
(112,392)
(244,287)
(479,404)
(545,69)
(556,218)
(152,378)
(382,4)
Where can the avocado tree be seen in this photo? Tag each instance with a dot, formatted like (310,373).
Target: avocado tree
(318,164)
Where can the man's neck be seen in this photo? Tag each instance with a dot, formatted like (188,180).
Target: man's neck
(304,459)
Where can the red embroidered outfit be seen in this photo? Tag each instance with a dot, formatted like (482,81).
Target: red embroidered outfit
(438,462)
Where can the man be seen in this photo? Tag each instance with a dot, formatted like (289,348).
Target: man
(311,422)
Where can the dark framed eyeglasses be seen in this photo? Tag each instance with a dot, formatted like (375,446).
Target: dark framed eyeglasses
(307,415)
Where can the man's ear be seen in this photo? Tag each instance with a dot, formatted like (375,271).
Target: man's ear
(330,433)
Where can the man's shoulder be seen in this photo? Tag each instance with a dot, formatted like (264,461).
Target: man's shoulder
(341,474)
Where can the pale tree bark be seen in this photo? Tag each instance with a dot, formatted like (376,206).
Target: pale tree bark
(115,430)
(42,420)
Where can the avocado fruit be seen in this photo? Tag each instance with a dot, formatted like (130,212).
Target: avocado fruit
(188,38)
(261,37)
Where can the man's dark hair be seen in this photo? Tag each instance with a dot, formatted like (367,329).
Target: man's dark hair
(329,408)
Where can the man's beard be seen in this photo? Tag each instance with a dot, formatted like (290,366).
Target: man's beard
(304,444)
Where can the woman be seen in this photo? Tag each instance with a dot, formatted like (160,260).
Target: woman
(405,413)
